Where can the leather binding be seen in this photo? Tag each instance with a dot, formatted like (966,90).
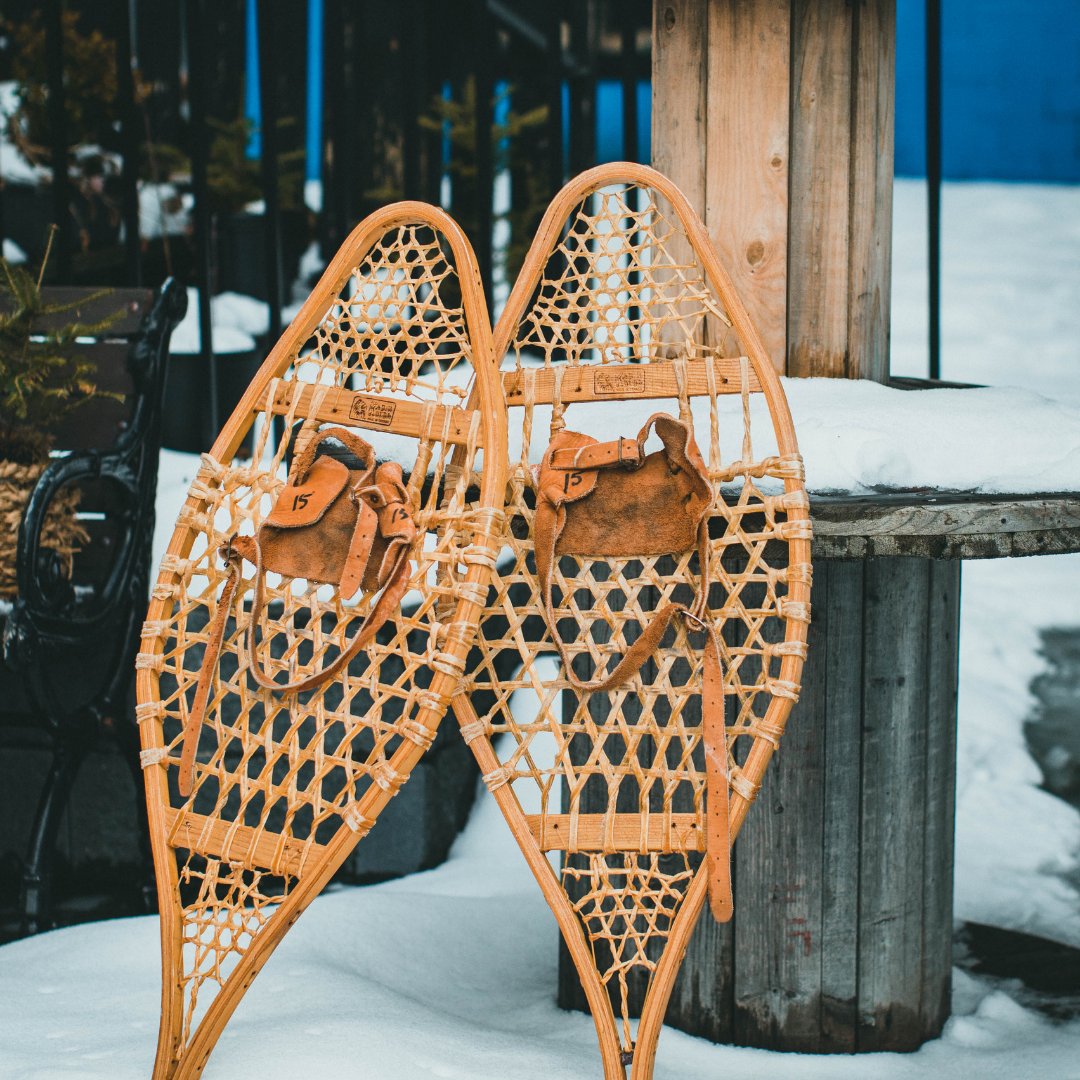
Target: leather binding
(351,528)
(612,499)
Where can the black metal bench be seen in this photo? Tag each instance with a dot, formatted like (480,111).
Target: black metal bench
(69,644)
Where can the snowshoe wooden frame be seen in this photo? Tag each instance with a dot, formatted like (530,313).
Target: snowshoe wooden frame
(395,339)
(625,299)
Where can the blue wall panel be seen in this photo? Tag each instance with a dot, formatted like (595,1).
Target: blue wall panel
(1010,89)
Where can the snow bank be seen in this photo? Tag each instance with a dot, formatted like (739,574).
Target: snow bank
(227,336)
(241,312)
(12,252)
(1010,294)
(1017,846)
(162,210)
(14,168)
(446,974)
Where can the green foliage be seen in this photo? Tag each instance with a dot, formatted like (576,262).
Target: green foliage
(161,161)
(234,179)
(90,99)
(42,376)
(512,148)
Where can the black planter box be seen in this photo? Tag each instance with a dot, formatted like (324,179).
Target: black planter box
(187,424)
(242,252)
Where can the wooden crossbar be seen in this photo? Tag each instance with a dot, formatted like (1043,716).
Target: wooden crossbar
(679,832)
(621,382)
(253,849)
(376,412)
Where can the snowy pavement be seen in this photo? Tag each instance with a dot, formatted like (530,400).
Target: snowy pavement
(448,974)
(458,980)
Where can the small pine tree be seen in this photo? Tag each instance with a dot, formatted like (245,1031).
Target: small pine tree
(42,376)
(234,179)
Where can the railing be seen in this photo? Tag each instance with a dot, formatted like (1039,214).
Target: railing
(372,72)
(372,77)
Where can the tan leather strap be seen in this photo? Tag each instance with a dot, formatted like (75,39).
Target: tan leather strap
(388,601)
(215,637)
(305,458)
(717,795)
(601,455)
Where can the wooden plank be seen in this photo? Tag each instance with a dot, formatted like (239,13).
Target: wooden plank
(746,177)
(818,225)
(680,94)
(942,654)
(893,804)
(945,526)
(252,848)
(680,832)
(870,228)
(778,937)
(376,412)
(626,381)
(837,598)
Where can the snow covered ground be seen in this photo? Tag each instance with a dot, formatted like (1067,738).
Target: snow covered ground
(458,981)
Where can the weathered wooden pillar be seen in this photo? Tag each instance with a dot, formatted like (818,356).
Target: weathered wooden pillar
(776,118)
(842,933)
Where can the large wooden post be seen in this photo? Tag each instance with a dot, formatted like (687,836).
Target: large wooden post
(776,118)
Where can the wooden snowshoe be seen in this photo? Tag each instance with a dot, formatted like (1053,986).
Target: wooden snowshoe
(393,345)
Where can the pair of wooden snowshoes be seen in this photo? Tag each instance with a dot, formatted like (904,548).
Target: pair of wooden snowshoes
(621,299)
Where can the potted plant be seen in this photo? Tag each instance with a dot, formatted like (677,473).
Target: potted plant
(42,380)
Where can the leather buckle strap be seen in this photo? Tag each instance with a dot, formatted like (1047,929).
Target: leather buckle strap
(626,453)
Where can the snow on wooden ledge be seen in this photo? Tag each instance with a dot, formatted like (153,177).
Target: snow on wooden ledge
(860,437)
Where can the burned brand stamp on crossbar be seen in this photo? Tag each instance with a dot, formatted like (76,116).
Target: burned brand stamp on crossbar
(369,411)
(618,382)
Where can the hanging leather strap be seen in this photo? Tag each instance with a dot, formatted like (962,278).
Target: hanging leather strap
(388,602)
(215,637)
(717,796)
(549,520)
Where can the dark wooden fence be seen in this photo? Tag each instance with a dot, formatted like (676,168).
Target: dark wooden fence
(180,75)
(181,71)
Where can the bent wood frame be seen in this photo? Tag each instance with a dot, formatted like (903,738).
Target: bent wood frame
(658,377)
(463,535)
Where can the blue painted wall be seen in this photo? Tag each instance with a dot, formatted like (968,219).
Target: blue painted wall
(1010,89)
